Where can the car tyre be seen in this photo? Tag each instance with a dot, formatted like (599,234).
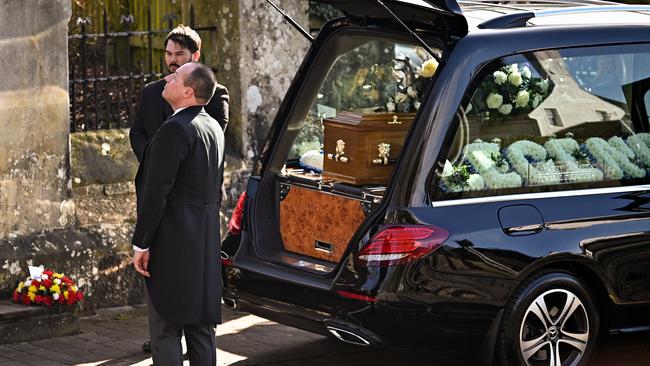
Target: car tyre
(551,320)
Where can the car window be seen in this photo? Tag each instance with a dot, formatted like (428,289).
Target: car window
(379,76)
(551,120)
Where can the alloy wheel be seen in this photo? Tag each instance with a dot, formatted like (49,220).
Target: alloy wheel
(554,330)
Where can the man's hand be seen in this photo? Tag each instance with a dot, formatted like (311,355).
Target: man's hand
(141,263)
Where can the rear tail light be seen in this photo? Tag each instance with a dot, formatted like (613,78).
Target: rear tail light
(397,244)
(355,296)
(234,225)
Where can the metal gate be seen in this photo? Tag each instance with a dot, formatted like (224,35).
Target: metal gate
(109,69)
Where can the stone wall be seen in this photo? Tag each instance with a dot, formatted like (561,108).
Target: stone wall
(78,217)
(34,123)
(258,53)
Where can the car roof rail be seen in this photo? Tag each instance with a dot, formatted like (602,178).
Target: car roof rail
(520,19)
(519,4)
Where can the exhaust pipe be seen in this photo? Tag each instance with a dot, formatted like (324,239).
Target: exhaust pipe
(231,303)
(348,336)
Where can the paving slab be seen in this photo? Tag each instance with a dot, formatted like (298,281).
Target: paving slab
(114,338)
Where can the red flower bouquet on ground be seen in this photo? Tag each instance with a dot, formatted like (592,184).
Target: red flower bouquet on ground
(47,288)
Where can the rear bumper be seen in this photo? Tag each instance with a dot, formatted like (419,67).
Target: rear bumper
(378,323)
(301,318)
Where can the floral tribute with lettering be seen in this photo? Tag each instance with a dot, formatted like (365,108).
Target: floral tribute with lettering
(524,163)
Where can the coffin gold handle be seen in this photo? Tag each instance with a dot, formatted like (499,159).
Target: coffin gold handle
(383,157)
(395,121)
(339,154)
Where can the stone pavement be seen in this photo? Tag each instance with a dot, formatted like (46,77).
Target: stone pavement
(114,337)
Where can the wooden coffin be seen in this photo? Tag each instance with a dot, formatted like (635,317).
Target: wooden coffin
(318,224)
(355,146)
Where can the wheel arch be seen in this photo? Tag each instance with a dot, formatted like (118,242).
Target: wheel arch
(585,272)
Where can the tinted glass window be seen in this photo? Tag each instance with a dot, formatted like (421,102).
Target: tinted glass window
(374,78)
(552,120)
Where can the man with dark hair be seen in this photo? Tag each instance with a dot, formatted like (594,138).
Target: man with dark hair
(176,239)
(182,45)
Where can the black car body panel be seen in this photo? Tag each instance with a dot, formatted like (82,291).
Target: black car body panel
(456,295)
(442,14)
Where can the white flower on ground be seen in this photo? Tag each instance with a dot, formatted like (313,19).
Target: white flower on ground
(429,68)
(500,77)
(57,281)
(105,148)
(494,100)
(55,296)
(515,78)
(505,109)
(513,68)
(525,71)
(522,98)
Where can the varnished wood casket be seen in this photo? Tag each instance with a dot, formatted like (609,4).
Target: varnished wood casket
(362,148)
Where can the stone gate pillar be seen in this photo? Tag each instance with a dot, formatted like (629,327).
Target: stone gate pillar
(34,118)
(255,53)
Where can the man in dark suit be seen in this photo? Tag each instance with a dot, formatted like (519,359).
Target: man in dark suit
(176,238)
(182,45)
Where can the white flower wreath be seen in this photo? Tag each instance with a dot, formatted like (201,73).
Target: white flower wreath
(541,173)
(615,164)
(560,150)
(312,160)
(639,144)
(479,155)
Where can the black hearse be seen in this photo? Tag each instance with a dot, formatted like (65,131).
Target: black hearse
(447,174)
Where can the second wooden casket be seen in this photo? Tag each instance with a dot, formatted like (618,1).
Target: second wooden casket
(362,148)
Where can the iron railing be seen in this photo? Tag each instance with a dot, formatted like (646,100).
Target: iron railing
(109,69)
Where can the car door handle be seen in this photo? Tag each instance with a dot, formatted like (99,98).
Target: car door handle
(523,230)
(519,220)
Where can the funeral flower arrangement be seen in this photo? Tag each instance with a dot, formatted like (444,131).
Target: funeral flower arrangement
(47,288)
(412,85)
(488,165)
(510,90)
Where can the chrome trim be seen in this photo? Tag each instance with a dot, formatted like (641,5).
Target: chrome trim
(591,9)
(530,196)
(630,330)
(340,335)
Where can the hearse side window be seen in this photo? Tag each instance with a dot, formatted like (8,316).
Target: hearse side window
(376,77)
(549,121)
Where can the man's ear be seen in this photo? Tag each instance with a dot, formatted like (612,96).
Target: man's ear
(189,93)
(196,55)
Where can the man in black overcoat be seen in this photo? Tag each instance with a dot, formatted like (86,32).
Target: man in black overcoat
(176,238)
(182,45)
